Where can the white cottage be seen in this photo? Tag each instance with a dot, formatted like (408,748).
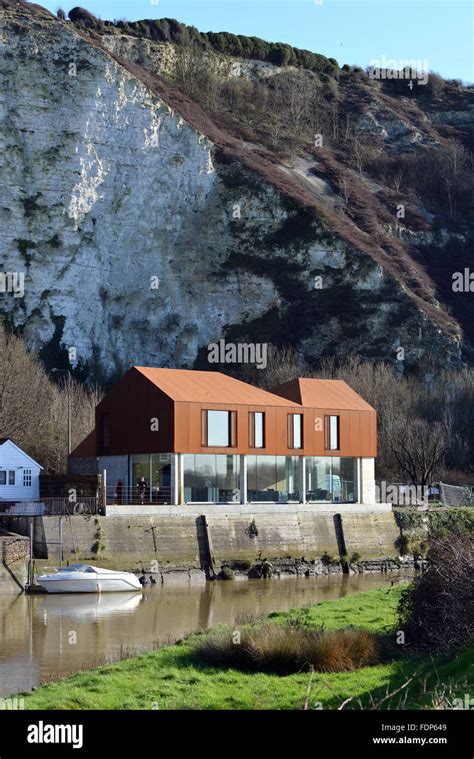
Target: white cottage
(19,473)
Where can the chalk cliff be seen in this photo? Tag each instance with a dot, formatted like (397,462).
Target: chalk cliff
(142,240)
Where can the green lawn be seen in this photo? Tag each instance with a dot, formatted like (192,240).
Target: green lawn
(168,678)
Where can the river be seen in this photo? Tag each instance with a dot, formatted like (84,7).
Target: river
(47,637)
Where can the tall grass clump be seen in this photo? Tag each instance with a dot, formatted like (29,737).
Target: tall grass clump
(285,649)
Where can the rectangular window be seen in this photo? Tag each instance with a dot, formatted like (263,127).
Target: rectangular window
(295,430)
(219,428)
(11,477)
(3,478)
(27,478)
(256,429)
(331,433)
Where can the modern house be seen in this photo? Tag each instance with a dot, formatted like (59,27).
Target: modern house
(19,473)
(181,437)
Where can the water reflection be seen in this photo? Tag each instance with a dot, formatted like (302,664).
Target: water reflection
(44,637)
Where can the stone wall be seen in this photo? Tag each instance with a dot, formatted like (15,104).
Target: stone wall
(13,547)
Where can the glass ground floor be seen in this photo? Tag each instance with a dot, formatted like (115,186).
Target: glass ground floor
(216,478)
(220,478)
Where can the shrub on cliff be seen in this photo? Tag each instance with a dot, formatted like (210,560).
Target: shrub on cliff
(83,17)
(437,611)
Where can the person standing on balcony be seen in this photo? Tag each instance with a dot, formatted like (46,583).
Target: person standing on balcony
(142,486)
(119,491)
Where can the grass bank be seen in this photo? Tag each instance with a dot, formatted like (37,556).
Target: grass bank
(171,678)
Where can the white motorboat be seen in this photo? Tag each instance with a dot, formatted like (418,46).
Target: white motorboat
(84,578)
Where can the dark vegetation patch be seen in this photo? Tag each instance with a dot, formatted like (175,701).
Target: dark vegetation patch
(225,43)
(437,611)
(441,261)
(23,247)
(54,355)
(30,204)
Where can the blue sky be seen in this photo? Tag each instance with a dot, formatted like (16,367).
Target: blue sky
(352,31)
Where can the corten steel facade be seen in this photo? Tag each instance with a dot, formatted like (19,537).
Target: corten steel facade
(161,413)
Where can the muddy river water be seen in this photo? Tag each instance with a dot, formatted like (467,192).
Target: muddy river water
(46,637)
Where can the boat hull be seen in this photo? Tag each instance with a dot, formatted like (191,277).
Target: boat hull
(90,582)
(77,586)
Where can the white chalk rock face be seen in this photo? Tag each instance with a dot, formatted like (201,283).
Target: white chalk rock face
(124,225)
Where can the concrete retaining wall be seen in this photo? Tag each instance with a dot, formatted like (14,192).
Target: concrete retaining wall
(133,542)
(371,535)
(279,536)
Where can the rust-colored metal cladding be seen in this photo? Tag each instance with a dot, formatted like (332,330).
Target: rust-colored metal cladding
(154,410)
(319,393)
(87,447)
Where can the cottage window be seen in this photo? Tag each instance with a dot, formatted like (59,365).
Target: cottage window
(27,478)
(11,477)
(3,478)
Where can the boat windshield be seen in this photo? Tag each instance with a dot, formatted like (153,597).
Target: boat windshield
(78,568)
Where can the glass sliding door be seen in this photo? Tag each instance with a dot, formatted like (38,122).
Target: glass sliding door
(330,478)
(211,478)
(348,479)
(160,482)
(140,478)
(150,478)
(272,478)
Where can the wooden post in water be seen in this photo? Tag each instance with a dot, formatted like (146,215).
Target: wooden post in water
(104,490)
(208,544)
(30,563)
(61,552)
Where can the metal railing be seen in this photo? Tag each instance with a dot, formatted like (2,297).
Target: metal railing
(133,494)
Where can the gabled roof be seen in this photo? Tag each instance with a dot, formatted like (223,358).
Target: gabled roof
(4,440)
(209,387)
(322,393)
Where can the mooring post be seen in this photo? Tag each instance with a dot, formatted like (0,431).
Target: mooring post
(61,552)
(104,489)
(30,563)
(208,544)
